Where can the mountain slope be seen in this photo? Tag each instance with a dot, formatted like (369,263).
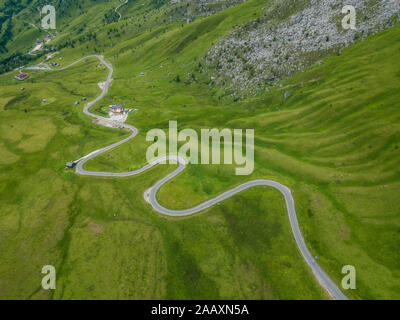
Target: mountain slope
(334,140)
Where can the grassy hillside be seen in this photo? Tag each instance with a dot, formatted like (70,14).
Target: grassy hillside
(100,234)
(334,142)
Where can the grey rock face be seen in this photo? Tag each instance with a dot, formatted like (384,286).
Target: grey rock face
(258,54)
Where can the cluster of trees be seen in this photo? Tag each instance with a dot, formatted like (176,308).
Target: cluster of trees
(8,10)
(67,44)
(6,35)
(110,17)
(14,61)
(88,37)
(10,7)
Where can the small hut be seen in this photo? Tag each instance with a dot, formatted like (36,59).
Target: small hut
(22,76)
(116,108)
(70,165)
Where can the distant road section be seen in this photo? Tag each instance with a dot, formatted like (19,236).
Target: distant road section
(117,8)
(151,194)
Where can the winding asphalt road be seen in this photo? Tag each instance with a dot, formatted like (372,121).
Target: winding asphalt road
(117,8)
(151,194)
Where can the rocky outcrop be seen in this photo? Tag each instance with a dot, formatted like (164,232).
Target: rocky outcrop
(292,35)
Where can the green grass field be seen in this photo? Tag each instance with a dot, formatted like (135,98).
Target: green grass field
(103,238)
(335,142)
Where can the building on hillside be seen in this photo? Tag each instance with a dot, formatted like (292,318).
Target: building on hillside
(22,76)
(47,38)
(116,108)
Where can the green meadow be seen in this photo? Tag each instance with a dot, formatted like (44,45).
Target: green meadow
(101,235)
(335,143)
